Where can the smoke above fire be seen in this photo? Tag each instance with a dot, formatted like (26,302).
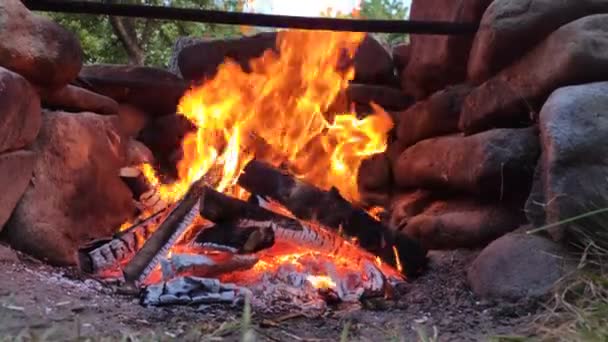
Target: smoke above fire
(279,113)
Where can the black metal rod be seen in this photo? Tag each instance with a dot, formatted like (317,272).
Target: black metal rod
(253,19)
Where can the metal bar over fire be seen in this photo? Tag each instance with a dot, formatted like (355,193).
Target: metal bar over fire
(253,19)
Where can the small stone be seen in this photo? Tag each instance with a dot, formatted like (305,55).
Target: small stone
(517,266)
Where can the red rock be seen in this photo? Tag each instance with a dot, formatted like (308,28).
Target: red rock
(574,54)
(497,163)
(438,115)
(20,115)
(16,172)
(76,194)
(510,28)
(76,99)
(37,48)
(461,223)
(438,61)
(154,91)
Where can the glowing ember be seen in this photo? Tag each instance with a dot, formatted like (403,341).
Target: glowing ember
(321,282)
(279,113)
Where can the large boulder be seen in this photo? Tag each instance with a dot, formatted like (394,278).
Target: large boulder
(510,28)
(517,266)
(155,91)
(436,61)
(576,53)
(76,99)
(495,163)
(461,223)
(199,59)
(76,194)
(573,168)
(36,47)
(437,115)
(16,171)
(20,113)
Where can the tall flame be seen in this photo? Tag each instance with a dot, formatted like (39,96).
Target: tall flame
(278,113)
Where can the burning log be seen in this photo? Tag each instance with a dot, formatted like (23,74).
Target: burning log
(177,221)
(219,207)
(309,203)
(101,255)
(245,237)
(145,193)
(212,264)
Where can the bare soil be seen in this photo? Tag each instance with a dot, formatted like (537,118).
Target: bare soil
(37,300)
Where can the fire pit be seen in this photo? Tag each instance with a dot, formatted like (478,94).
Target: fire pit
(265,203)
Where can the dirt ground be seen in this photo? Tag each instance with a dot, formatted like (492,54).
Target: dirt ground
(58,304)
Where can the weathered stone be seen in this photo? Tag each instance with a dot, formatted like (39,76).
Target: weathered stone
(406,205)
(20,113)
(76,99)
(572,168)
(438,115)
(199,59)
(138,153)
(132,119)
(576,53)
(36,47)
(164,137)
(390,99)
(461,223)
(155,91)
(510,28)
(495,163)
(517,266)
(16,171)
(437,61)
(76,194)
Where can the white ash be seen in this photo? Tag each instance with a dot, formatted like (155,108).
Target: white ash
(189,290)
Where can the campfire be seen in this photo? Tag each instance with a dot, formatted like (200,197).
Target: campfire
(266,199)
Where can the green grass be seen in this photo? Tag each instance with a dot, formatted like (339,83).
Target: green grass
(578,310)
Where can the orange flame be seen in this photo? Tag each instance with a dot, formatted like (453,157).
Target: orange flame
(278,113)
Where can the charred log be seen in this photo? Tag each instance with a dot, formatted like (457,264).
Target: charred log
(308,202)
(145,194)
(105,254)
(177,221)
(245,237)
(219,207)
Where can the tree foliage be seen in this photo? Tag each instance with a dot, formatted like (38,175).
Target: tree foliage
(386,9)
(146,41)
(141,41)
